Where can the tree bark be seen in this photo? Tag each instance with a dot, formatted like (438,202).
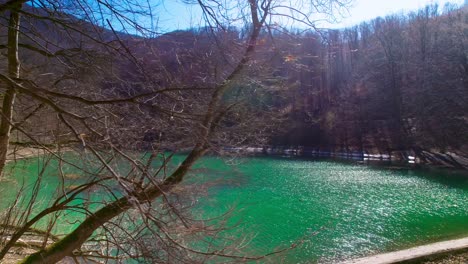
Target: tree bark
(10,94)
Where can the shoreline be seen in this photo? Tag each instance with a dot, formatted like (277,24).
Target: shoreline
(23,153)
(20,153)
(406,158)
(415,254)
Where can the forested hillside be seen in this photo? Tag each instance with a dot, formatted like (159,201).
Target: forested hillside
(396,83)
(391,84)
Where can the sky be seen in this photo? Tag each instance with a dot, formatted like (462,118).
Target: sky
(172,15)
(364,10)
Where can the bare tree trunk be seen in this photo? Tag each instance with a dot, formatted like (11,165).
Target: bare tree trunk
(10,94)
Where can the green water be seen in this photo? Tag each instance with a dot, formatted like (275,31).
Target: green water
(42,174)
(357,210)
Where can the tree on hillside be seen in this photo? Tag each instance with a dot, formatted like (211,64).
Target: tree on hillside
(74,79)
(393,84)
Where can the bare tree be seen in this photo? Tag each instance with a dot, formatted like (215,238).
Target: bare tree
(13,72)
(98,88)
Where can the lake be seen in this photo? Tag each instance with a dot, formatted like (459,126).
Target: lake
(332,210)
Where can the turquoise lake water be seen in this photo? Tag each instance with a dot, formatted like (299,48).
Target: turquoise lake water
(357,210)
(331,210)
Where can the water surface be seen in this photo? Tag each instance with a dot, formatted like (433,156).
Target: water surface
(357,210)
(331,210)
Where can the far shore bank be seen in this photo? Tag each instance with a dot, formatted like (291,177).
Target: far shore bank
(425,159)
(19,153)
(23,153)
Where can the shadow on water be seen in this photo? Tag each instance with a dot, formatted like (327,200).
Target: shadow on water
(457,180)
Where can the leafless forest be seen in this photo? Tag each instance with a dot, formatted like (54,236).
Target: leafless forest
(93,86)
